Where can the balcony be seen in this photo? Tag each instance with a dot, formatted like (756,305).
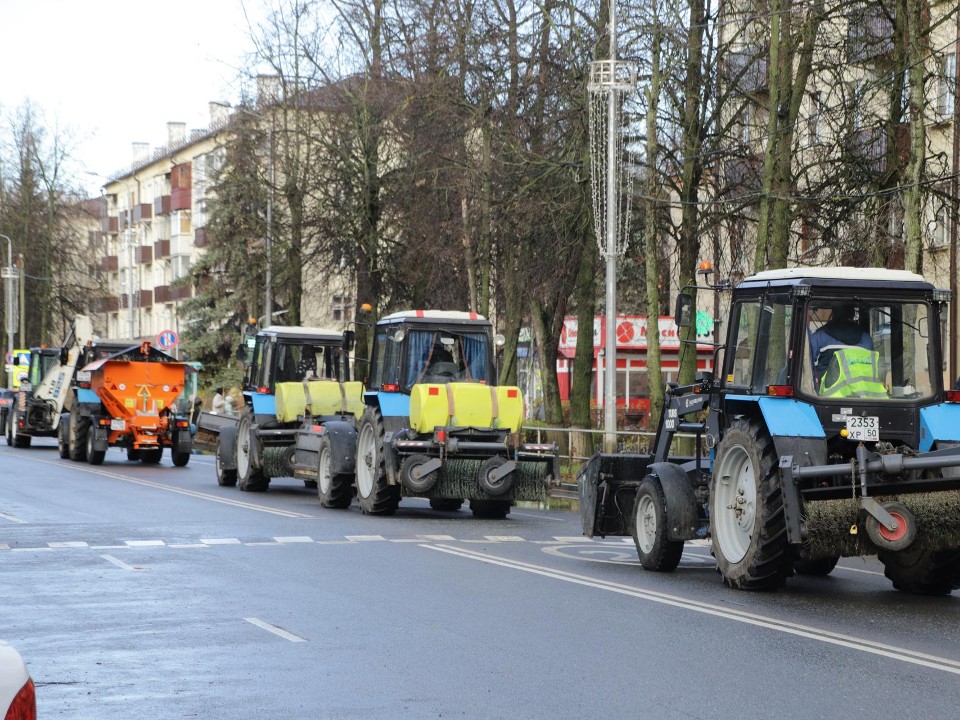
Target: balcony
(868,148)
(166,293)
(141,212)
(161,205)
(869,33)
(143,255)
(161,249)
(110,224)
(111,263)
(106,304)
(180,199)
(145,298)
(742,176)
(200,239)
(746,71)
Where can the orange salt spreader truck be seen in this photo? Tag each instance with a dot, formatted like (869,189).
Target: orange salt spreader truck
(127,400)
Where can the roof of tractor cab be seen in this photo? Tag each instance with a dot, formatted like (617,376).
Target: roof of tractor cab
(434,317)
(297,332)
(838,277)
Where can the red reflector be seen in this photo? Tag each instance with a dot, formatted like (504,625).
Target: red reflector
(441,436)
(104,421)
(780,390)
(183,424)
(513,394)
(263,390)
(952,396)
(316,428)
(390,387)
(24,705)
(433,391)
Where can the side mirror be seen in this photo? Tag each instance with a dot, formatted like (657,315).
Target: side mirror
(684,313)
(349,339)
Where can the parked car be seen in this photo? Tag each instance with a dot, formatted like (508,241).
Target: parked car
(17,698)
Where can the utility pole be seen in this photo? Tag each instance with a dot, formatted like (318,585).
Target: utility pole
(10,276)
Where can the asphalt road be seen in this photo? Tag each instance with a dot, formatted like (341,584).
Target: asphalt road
(140,591)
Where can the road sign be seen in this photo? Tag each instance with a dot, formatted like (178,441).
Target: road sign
(167,340)
(9,358)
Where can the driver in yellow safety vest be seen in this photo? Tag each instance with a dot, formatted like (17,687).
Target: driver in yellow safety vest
(853,372)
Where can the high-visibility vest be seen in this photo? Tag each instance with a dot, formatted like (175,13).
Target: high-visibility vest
(853,372)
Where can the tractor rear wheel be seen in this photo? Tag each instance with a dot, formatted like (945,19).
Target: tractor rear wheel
(94,456)
(151,456)
(920,571)
(180,459)
(15,438)
(748,526)
(649,526)
(133,455)
(446,504)
(77,433)
(490,509)
(251,479)
(376,495)
(63,439)
(225,477)
(334,490)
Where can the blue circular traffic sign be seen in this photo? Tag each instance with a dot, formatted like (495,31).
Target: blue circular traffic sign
(167,340)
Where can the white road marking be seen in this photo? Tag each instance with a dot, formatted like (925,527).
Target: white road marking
(69,544)
(575,539)
(538,517)
(119,563)
(220,541)
(436,538)
(365,538)
(280,632)
(812,633)
(504,538)
(145,543)
(12,519)
(294,539)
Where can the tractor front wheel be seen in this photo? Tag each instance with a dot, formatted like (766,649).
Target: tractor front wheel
(649,529)
(251,478)
(334,490)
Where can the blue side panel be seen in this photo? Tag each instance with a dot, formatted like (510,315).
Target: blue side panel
(785,417)
(86,395)
(264,404)
(394,404)
(939,422)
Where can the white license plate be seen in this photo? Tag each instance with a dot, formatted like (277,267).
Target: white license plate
(118,424)
(866,428)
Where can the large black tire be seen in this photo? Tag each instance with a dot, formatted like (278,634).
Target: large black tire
(15,438)
(648,526)
(446,504)
(225,477)
(180,459)
(817,567)
(490,509)
(94,457)
(77,435)
(920,571)
(748,527)
(133,455)
(250,478)
(412,479)
(334,490)
(63,439)
(151,456)
(376,495)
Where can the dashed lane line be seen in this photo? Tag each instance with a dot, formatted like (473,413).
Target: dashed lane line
(278,631)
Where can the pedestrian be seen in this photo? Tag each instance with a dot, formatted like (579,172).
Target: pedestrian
(218,402)
(228,405)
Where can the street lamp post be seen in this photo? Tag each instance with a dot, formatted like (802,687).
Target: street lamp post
(10,277)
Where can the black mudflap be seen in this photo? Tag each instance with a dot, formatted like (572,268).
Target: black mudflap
(607,487)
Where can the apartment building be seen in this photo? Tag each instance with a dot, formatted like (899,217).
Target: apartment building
(153,229)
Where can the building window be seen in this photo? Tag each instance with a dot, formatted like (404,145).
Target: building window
(946,92)
(342,308)
(941,226)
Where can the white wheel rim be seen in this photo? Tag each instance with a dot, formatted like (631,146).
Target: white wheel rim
(366,461)
(243,449)
(646,523)
(323,472)
(735,504)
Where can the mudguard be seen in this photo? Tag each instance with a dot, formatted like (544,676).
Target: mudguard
(343,446)
(682,508)
(183,441)
(227,447)
(100,437)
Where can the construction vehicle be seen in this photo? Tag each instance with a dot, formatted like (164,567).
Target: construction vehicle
(257,443)
(800,458)
(435,425)
(126,399)
(45,392)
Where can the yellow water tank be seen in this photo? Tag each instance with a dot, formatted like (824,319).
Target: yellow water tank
(465,405)
(327,397)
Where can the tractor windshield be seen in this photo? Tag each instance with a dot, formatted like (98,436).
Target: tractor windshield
(40,364)
(442,356)
(297,361)
(867,349)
